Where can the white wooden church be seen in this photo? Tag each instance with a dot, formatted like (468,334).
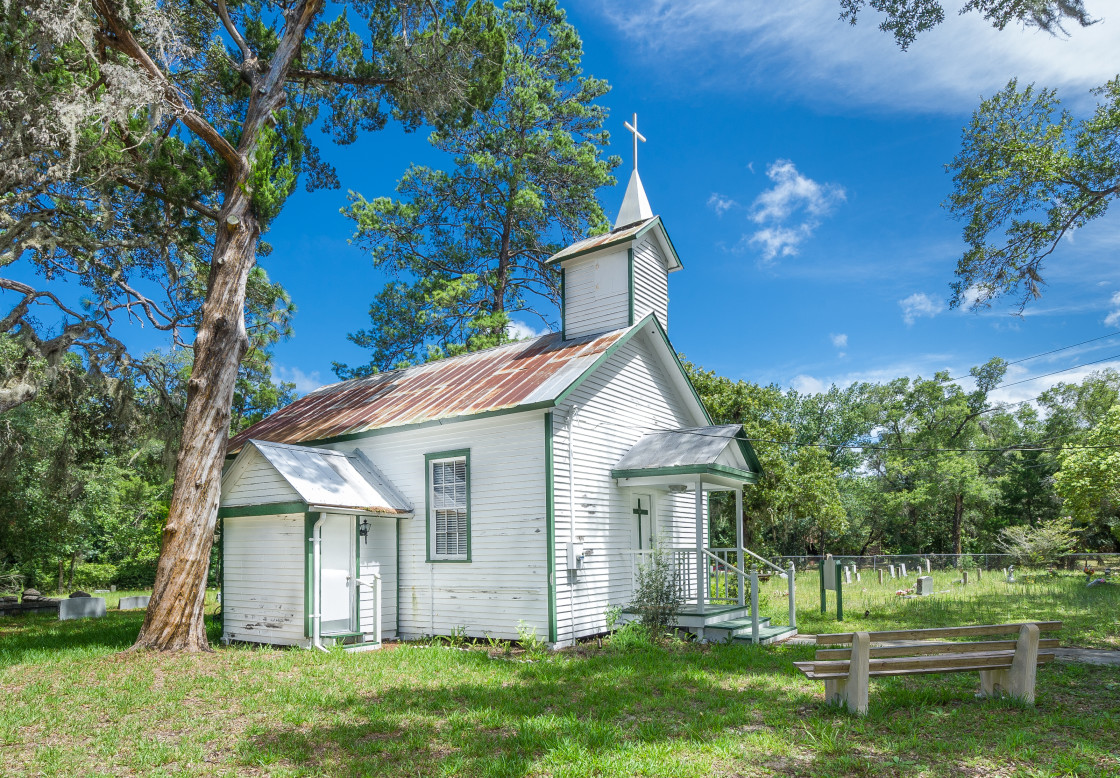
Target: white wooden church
(518,486)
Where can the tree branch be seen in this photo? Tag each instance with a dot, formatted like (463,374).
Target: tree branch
(339,78)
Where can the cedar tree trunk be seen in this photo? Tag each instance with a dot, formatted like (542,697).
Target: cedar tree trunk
(958,515)
(174,620)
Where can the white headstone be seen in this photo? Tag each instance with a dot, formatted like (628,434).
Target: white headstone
(829,573)
(880,575)
(903,566)
(134,603)
(891,568)
(847,575)
(927,566)
(925,585)
(857,575)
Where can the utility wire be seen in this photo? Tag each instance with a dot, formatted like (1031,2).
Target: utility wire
(1052,351)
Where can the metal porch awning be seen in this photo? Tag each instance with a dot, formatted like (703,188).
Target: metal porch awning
(718,457)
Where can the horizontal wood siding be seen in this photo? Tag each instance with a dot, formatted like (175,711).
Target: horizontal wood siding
(378,554)
(596,294)
(258,484)
(626,397)
(262,595)
(506,580)
(651,282)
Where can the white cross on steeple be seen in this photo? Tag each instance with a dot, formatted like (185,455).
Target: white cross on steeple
(637,137)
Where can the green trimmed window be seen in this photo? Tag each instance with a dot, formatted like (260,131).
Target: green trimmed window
(449,506)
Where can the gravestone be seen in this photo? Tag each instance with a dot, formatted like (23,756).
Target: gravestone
(880,575)
(978,574)
(891,569)
(857,576)
(81,608)
(925,585)
(79,593)
(1011,574)
(134,603)
(964,577)
(903,566)
(927,567)
(847,575)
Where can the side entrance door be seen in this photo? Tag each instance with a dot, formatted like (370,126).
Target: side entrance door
(336,574)
(643,520)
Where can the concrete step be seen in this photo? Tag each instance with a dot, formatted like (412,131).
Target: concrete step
(772,633)
(736,626)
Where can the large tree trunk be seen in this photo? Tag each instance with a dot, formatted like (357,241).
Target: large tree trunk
(174,620)
(958,517)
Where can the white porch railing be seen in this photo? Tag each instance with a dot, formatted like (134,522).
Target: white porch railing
(727,581)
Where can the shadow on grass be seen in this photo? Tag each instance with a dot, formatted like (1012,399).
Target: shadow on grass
(42,637)
(649,712)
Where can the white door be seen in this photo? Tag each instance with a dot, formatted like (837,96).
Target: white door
(643,520)
(336,574)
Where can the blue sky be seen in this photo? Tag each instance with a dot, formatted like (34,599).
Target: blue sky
(798,164)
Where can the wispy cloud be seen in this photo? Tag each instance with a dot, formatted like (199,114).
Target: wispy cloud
(801,47)
(720,204)
(919,305)
(840,341)
(305,382)
(795,197)
(1113,318)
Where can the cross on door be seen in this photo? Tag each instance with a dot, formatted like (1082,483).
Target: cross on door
(643,524)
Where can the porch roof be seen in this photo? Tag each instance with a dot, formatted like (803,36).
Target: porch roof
(718,456)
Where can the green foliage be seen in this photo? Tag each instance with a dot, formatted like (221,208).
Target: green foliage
(1039,545)
(529,640)
(1026,176)
(906,19)
(90,576)
(657,593)
(1089,479)
(467,247)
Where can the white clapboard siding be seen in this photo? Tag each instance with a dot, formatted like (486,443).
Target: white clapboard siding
(378,554)
(626,397)
(263,579)
(258,483)
(651,282)
(506,580)
(596,294)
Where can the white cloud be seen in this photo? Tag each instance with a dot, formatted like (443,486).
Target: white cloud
(305,382)
(839,340)
(801,46)
(720,204)
(519,330)
(1113,318)
(918,305)
(793,196)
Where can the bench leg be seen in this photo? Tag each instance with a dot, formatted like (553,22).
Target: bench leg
(851,692)
(1019,679)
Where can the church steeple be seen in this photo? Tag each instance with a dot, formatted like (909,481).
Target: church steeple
(612,281)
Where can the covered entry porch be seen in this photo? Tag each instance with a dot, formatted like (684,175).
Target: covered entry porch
(717,584)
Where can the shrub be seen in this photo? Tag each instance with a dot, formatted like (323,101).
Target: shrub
(139,573)
(1039,545)
(92,576)
(657,596)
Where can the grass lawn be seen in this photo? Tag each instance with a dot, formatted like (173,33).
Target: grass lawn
(72,704)
(1091,617)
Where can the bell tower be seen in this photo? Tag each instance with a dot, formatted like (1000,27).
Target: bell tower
(612,281)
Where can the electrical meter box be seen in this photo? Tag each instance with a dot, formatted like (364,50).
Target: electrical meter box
(575,556)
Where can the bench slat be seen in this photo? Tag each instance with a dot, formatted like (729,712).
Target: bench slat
(939,632)
(958,664)
(933,648)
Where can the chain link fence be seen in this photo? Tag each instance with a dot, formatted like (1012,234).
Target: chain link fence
(1096,561)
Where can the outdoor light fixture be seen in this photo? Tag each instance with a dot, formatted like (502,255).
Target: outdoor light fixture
(363,530)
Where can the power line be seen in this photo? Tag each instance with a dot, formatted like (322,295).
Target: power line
(1052,351)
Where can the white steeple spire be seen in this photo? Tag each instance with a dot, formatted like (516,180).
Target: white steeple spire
(635,205)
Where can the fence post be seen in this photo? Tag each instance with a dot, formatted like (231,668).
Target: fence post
(754,604)
(839,595)
(792,596)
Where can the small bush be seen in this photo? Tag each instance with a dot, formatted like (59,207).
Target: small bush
(92,576)
(527,637)
(631,636)
(657,596)
(139,573)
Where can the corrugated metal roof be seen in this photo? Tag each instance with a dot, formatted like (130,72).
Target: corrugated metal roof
(679,448)
(601,241)
(500,378)
(334,479)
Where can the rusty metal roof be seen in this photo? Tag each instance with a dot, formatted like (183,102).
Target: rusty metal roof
(501,378)
(620,235)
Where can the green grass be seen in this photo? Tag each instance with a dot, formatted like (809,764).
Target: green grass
(1091,617)
(72,704)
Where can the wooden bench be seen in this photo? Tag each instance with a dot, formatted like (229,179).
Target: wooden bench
(1005,666)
